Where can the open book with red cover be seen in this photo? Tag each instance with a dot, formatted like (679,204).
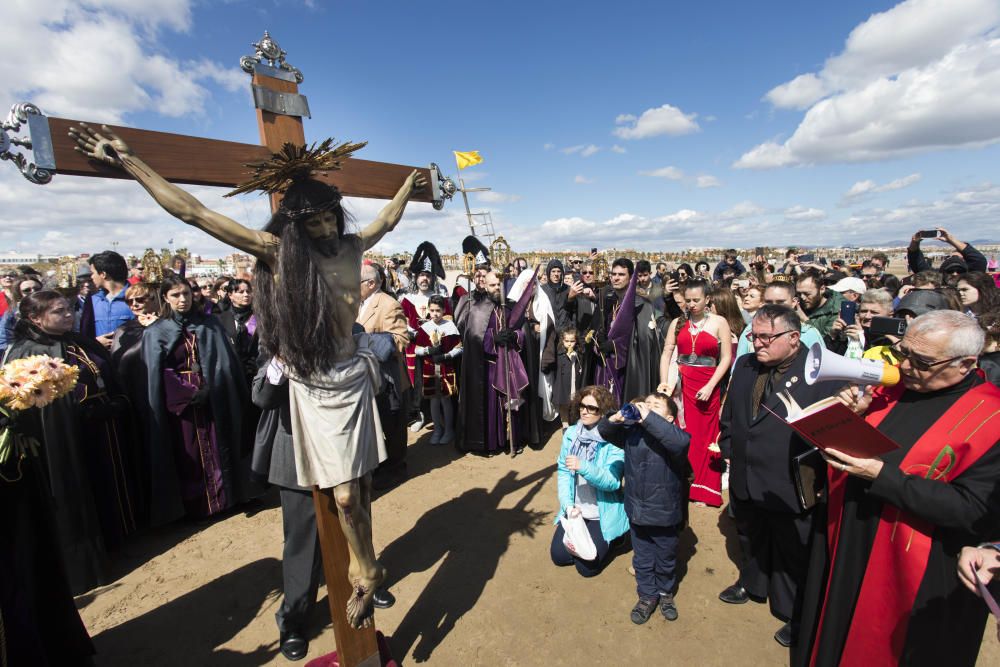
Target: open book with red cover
(829,424)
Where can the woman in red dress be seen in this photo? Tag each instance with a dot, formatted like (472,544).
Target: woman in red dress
(702,363)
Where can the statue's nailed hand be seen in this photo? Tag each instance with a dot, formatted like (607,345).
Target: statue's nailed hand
(415,181)
(107,148)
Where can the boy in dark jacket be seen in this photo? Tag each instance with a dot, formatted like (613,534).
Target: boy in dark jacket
(655,464)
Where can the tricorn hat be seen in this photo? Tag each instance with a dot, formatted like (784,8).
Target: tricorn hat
(427,260)
(472,245)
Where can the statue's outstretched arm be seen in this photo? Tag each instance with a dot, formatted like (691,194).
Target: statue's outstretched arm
(179,203)
(389,216)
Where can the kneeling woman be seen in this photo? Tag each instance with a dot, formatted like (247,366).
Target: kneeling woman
(196,397)
(590,480)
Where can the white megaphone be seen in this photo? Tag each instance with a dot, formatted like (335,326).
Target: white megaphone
(823,365)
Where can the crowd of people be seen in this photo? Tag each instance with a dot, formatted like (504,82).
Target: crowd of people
(665,382)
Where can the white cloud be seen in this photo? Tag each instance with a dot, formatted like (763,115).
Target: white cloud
(584,150)
(618,149)
(744,209)
(803,214)
(548,146)
(102,60)
(491,197)
(669,173)
(580,179)
(921,76)
(867,187)
(666,119)
(707,181)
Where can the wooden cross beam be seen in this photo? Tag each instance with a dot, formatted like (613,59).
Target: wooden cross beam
(200,161)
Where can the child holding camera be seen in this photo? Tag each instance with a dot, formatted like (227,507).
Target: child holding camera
(656,468)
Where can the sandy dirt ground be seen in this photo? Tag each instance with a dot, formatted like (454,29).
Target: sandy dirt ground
(466,540)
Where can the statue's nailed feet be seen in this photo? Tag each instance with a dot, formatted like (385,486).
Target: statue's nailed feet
(359,607)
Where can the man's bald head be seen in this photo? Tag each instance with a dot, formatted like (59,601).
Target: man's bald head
(369,272)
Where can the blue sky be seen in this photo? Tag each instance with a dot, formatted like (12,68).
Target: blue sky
(654,125)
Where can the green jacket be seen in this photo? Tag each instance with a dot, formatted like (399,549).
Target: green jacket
(823,317)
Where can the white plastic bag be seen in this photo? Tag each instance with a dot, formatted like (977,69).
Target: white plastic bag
(575,532)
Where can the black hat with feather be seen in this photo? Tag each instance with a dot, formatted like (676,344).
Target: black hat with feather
(427,260)
(471,245)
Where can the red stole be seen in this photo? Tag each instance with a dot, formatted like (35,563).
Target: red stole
(902,543)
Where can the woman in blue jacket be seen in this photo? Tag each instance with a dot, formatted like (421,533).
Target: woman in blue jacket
(590,481)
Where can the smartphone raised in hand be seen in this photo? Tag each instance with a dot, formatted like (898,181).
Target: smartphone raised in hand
(848,312)
(929,234)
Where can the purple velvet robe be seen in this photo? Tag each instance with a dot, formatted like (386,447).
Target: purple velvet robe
(193,429)
(609,370)
(506,381)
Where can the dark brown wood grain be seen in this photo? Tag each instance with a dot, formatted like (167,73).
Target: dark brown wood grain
(200,161)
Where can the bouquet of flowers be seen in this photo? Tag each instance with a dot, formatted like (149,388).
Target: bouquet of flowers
(31,382)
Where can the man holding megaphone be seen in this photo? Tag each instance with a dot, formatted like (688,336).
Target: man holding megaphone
(881,588)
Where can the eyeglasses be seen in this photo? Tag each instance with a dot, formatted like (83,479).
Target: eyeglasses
(139,300)
(918,363)
(766,339)
(590,408)
(586,273)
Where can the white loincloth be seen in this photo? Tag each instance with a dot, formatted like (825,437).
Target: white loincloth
(335,428)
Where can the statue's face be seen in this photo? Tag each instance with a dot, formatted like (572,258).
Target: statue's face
(322,226)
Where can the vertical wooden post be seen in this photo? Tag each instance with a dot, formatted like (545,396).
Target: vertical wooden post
(355,648)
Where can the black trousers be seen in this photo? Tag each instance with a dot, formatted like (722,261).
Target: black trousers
(654,559)
(301,563)
(775,550)
(587,568)
(394,427)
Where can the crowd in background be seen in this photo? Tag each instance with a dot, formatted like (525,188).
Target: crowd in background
(162,425)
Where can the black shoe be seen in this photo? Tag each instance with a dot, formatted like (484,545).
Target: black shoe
(735,594)
(643,609)
(294,646)
(785,636)
(668,608)
(383,599)
(388,480)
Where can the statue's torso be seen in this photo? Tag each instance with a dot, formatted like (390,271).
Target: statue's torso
(341,273)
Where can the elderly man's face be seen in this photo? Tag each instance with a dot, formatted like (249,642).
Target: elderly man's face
(920,369)
(587,274)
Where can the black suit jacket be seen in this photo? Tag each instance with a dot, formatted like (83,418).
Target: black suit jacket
(760,449)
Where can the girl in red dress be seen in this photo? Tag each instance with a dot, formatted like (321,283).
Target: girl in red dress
(702,363)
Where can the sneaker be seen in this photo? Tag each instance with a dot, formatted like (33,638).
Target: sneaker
(643,609)
(417,425)
(668,608)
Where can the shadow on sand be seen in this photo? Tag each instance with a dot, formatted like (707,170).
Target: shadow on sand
(190,629)
(471,533)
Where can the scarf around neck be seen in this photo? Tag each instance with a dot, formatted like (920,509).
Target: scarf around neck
(586,442)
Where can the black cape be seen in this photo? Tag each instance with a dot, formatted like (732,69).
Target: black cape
(228,394)
(472,316)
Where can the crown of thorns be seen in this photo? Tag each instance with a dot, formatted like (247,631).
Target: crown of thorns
(295,163)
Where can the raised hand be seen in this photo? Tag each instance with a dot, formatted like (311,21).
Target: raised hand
(97,146)
(415,181)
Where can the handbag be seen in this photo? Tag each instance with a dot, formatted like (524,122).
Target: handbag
(809,475)
(575,532)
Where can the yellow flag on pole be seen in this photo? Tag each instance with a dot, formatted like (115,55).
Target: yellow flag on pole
(467,158)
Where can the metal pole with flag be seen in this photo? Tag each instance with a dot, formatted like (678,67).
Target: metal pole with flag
(465,159)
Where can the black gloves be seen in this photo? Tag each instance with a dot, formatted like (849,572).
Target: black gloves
(200,397)
(411,335)
(438,358)
(505,338)
(603,344)
(433,351)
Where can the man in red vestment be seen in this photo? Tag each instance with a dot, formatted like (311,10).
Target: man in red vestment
(882,588)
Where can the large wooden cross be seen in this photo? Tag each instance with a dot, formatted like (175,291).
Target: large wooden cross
(200,161)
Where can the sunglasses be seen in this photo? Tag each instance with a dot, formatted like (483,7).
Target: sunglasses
(591,409)
(586,273)
(137,300)
(918,363)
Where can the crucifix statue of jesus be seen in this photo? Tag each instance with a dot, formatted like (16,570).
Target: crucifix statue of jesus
(307,298)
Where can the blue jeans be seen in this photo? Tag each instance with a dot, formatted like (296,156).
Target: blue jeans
(587,568)
(654,559)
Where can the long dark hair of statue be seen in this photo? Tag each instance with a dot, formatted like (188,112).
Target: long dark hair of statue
(293,309)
